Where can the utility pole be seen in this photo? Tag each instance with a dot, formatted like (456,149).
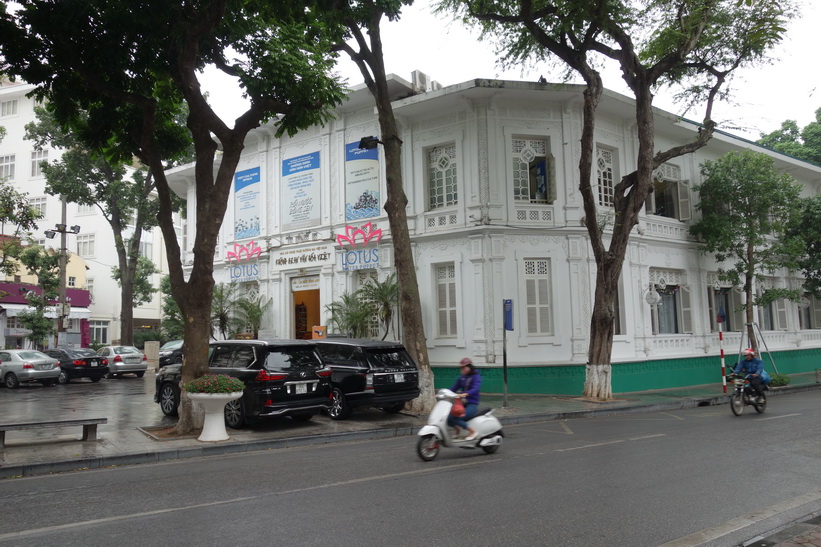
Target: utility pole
(63,306)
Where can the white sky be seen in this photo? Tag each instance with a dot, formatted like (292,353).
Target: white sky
(450,54)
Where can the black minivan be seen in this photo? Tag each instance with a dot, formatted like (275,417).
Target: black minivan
(282,378)
(368,373)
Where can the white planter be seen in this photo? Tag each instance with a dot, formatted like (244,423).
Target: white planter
(213,429)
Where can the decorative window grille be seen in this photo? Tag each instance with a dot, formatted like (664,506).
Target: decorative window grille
(447,326)
(538,297)
(442,191)
(364,277)
(605,172)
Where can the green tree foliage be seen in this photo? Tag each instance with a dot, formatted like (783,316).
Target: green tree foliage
(45,264)
(747,209)
(173,325)
(385,296)
(808,228)
(694,45)
(250,311)
(143,289)
(351,315)
(804,144)
(223,309)
(17,219)
(132,65)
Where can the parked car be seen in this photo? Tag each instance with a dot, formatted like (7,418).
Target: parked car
(282,378)
(79,363)
(124,360)
(171,353)
(368,373)
(27,365)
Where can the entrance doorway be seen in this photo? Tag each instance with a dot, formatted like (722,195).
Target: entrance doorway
(305,298)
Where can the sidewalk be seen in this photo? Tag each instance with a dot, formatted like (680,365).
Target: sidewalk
(56,450)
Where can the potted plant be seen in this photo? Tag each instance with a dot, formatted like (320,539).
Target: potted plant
(213,392)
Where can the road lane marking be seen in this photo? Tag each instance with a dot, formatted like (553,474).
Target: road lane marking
(117,518)
(782,416)
(734,525)
(595,445)
(647,437)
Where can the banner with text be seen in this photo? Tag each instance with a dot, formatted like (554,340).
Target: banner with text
(300,192)
(361,182)
(247,203)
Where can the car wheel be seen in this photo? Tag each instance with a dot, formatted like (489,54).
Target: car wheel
(177,361)
(394,408)
(63,378)
(301,417)
(11,381)
(428,447)
(140,374)
(235,414)
(49,382)
(169,399)
(94,379)
(339,405)
(110,376)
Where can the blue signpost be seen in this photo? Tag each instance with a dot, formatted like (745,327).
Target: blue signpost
(507,305)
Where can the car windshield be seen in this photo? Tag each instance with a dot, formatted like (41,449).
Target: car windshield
(291,358)
(32,355)
(173,344)
(389,358)
(81,353)
(122,350)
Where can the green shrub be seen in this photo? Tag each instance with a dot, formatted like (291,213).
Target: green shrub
(214,383)
(779,380)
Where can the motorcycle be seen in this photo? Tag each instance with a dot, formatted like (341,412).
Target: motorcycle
(437,433)
(744,394)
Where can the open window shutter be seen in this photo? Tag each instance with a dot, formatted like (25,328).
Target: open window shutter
(684,200)
(816,313)
(532,321)
(686,310)
(781,314)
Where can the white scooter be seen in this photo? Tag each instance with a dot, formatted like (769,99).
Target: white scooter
(437,432)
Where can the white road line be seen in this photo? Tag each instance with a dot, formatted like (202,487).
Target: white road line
(647,437)
(777,417)
(733,525)
(117,518)
(611,442)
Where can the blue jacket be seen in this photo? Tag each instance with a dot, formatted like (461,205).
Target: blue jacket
(469,384)
(753,366)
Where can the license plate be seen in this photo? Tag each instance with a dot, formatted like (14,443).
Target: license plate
(94,363)
(301,389)
(398,377)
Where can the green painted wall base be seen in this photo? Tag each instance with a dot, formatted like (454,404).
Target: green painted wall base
(627,377)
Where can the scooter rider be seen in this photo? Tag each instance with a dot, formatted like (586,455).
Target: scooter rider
(753,367)
(467,386)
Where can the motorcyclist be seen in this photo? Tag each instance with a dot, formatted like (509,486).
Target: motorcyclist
(752,367)
(467,386)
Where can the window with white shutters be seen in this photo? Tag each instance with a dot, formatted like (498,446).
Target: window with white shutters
(670,196)
(674,312)
(534,171)
(538,297)
(605,175)
(447,326)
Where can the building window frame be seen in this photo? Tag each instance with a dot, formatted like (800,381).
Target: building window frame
(7,163)
(98,331)
(537,285)
(606,174)
(9,108)
(85,245)
(670,197)
(446,299)
(533,170)
(442,176)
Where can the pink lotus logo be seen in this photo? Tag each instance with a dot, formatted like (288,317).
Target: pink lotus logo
(367,233)
(242,252)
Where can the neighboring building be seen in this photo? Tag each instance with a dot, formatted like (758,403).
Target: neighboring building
(491,172)
(20,164)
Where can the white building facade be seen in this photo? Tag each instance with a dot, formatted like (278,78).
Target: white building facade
(495,213)
(20,165)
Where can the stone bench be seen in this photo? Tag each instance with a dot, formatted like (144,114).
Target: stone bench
(89,427)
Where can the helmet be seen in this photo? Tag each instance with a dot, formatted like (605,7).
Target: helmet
(466,362)
(747,352)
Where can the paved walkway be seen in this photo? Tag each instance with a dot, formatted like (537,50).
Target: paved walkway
(57,450)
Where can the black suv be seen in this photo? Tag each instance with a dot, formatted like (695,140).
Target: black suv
(368,373)
(171,353)
(282,378)
(79,363)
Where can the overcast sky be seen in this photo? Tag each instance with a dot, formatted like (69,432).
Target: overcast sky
(450,54)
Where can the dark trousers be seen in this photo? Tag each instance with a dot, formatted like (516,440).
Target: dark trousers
(757,385)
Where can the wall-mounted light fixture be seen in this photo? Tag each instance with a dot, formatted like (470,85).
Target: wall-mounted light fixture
(369,143)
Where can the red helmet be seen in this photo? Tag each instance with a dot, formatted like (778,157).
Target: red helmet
(747,352)
(465,362)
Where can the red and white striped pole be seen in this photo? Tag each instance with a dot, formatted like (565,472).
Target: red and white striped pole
(721,350)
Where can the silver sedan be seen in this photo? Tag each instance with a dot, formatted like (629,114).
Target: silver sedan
(26,365)
(124,360)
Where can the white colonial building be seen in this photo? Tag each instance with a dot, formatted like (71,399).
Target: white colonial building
(20,165)
(491,172)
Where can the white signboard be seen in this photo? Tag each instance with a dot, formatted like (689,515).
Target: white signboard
(247,206)
(361,182)
(300,192)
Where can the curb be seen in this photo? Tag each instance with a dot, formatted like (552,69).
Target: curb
(163,455)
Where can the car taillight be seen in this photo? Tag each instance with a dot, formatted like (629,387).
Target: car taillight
(145,357)
(369,381)
(118,359)
(28,365)
(79,363)
(105,361)
(324,373)
(264,376)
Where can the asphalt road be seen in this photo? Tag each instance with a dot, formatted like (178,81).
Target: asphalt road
(638,479)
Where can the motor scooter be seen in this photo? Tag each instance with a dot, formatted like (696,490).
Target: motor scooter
(744,394)
(437,433)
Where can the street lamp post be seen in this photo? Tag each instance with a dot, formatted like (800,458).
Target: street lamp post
(64,308)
